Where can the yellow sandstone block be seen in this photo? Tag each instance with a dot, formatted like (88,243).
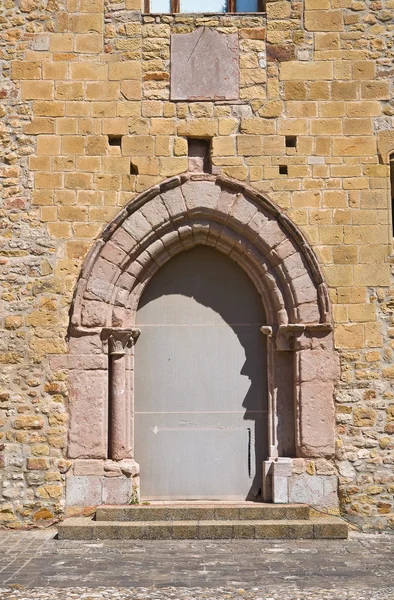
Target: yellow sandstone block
(294,90)
(48,144)
(344,90)
(48,180)
(91,71)
(138,145)
(69,90)
(363,109)
(198,128)
(257,126)
(59,230)
(332,109)
(223,146)
(78,181)
(105,91)
(345,255)
(363,69)
(116,164)
(357,127)
(331,235)
(135,5)
(56,70)
(354,146)
(361,313)
(328,20)
(89,43)
(294,70)
(73,213)
(67,126)
(375,90)
(327,41)
(249,145)
(293,126)
(91,6)
(317,4)
(371,275)
(25,70)
(301,109)
(173,166)
(164,146)
(48,213)
(116,126)
(61,42)
(319,90)
(89,164)
(40,125)
(373,335)
(326,126)
(73,144)
(124,70)
(349,336)
(227,126)
(37,90)
(163,126)
(87,23)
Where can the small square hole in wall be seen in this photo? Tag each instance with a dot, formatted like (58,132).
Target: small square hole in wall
(133,168)
(115,140)
(283,170)
(291,141)
(199,154)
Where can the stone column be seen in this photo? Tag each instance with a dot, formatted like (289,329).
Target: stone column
(272,394)
(120,342)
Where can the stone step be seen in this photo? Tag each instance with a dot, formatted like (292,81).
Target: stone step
(204,512)
(78,528)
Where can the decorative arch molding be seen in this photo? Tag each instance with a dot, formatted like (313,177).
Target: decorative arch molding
(177,215)
(187,211)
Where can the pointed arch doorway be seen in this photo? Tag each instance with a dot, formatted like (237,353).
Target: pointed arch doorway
(201,381)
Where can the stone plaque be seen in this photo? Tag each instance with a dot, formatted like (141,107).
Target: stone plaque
(204,65)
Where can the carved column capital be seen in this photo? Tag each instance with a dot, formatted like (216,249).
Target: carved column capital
(295,336)
(119,340)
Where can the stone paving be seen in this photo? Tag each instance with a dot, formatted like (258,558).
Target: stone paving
(34,565)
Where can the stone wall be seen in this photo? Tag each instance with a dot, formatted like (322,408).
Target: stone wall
(86,122)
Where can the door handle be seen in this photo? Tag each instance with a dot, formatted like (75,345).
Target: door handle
(249,452)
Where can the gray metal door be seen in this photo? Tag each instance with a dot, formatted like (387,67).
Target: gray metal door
(200,381)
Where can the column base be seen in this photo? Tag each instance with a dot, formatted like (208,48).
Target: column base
(91,483)
(298,480)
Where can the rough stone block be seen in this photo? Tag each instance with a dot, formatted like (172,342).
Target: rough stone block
(328,20)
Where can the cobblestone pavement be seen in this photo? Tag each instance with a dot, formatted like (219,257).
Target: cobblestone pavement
(34,565)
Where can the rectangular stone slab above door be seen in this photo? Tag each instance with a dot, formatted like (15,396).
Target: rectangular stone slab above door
(204,65)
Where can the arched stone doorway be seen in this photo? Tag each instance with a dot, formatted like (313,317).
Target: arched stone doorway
(181,214)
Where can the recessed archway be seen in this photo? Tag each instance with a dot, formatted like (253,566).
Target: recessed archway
(183,213)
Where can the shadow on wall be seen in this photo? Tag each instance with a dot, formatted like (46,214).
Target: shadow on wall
(216,312)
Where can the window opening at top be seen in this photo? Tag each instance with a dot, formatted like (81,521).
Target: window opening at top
(203,6)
